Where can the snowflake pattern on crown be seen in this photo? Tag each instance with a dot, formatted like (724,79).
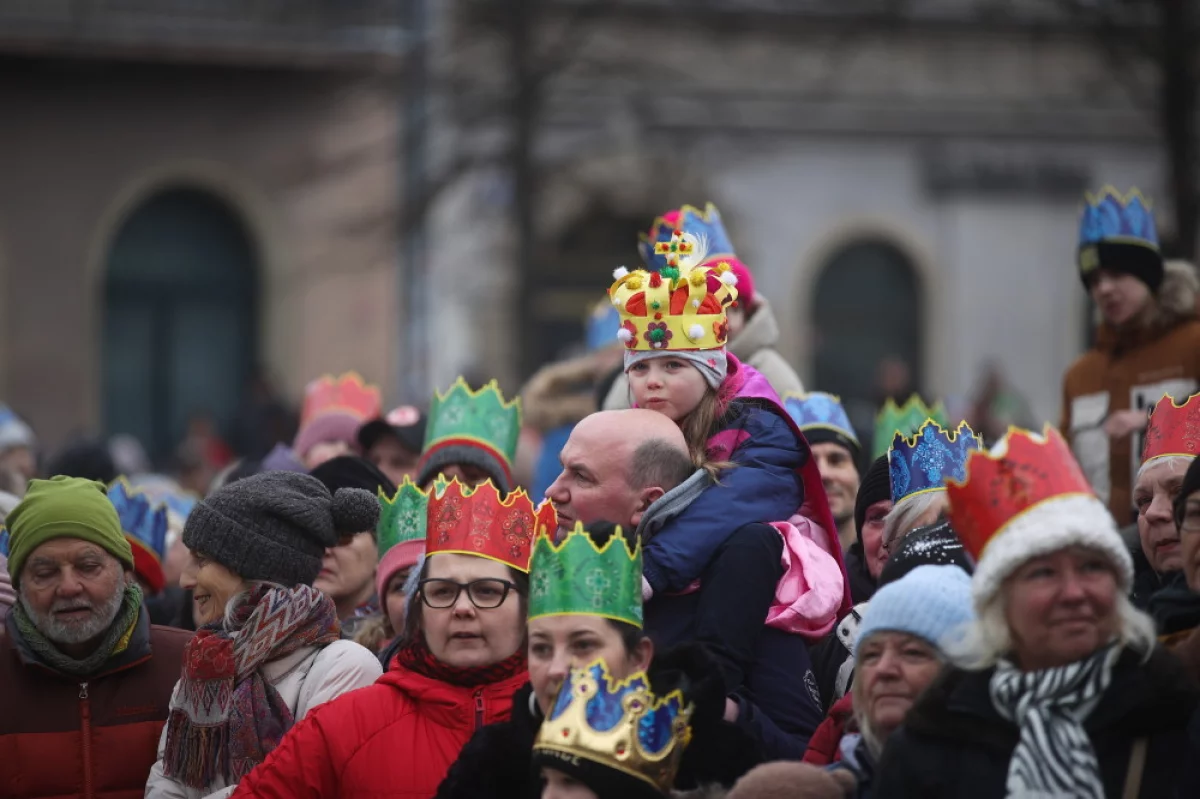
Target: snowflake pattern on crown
(574,576)
(819,410)
(925,461)
(704,225)
(482,418)
(403,517)
(1111,216)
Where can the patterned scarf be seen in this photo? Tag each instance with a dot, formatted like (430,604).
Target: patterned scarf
(229,717)
(415,656)
(1054,756)
(115,641)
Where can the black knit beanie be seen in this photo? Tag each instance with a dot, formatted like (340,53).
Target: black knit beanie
(933,545)
(276,526)
(824,435)
(876,486)
(350,471)
(1139,260)
(435,463)
(1190,485)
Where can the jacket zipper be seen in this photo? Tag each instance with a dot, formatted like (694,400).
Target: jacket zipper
(479,708)
(85,716)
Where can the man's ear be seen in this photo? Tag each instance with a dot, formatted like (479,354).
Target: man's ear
(646,498)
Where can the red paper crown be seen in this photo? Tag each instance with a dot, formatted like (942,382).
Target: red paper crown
(466,521)
(998,488)
(347,394)
(1173,429)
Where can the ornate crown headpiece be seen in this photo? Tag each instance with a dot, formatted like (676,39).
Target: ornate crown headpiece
(144,523)
(475,521)
(932,456)
(1110,217)
(681,306)
(577,577)
(905,419)
(476,418)
(347,394)
(620,725)
(705,225)
(1173,429)
(1023,471)
(402,517)
(819,411)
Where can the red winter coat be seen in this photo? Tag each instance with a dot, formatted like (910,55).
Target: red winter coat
(824,747)
(396,738)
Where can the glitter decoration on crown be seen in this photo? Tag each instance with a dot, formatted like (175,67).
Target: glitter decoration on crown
(1110,217)
(1023,471)
(480,418)
(619,724)
(904,419)
(703,225)
(925,461)
(819,410)
(402,517)
(144,523)
(475,521)
(348,394)
(1174,430)
(575,577)
(680,307)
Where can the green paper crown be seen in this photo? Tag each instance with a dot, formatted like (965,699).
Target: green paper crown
(478,417)
(906,420)
(576,578)
(401,518)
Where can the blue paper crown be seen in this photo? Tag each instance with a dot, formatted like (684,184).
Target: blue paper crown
(706,224)
(4,541)
(1110,217)
(602,325)
(925,461)
(141,520)
(819,410)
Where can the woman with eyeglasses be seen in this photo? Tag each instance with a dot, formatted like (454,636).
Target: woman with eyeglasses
(461,661)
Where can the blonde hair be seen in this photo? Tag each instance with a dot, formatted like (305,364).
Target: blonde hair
(375,632)
(902,518)
(699,426)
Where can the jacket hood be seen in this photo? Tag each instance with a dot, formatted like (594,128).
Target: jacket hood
(1175,302)
(761,331)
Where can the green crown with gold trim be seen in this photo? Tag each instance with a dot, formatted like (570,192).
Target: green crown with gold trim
(482,418)
(575,577)
(402,517)
(904,419)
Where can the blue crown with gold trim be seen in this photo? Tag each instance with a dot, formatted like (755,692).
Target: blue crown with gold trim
(924,462)
(819,411)
(1116,227)
(703,225)
(618,724)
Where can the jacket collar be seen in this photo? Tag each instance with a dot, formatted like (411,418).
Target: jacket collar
(672,503)
(137,651)
(760,332)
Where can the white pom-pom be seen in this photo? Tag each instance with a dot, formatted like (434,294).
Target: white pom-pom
(729,278)
(617,302)
(624,335)
(695,303)
(695,332)
(620,273)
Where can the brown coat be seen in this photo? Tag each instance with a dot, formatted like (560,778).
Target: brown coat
(1131,370)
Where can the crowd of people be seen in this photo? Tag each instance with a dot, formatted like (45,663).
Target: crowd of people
(707,584)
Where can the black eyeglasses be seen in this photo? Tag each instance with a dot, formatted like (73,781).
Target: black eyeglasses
(484,594)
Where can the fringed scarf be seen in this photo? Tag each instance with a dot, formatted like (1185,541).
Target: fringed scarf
(1054,756)
(228,716)
(415,656)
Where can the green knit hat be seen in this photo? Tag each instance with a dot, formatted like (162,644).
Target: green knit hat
(64,507)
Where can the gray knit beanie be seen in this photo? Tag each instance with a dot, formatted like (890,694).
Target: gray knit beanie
(276,526)
(465,454)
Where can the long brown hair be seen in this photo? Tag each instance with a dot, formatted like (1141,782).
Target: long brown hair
(703,423)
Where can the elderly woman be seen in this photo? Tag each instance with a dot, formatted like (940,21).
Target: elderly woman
(1059,688)
(462,660)
(269,649)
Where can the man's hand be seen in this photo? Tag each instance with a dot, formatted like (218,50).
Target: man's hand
(1120,424)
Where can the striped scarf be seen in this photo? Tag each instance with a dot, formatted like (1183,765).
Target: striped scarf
(1054,756)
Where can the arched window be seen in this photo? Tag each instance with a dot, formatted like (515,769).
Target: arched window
(179,323)
(867,309)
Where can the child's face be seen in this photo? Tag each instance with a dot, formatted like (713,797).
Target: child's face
(669,385)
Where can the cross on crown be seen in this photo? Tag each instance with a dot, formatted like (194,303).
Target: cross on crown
(673,249)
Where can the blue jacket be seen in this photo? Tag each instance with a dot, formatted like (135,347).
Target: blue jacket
(764,486)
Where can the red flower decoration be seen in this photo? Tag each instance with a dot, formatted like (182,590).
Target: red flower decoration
(658,335)
(721,330)
(631,328)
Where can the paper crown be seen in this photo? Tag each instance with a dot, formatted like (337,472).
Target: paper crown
(475,521)
(402,517)
(347,394)
(474,418)
(819,411)
(601,325)
(680,307)
(576,577)
(1023,471)
(905,419)
(620,725)
(1173,429)
(1110,217)
(144,523)
(932,456)
(705,225)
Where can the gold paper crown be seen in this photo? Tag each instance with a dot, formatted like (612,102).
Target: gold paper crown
(618,724)
(680,307)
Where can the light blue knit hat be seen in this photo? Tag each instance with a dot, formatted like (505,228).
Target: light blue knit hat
(930,602)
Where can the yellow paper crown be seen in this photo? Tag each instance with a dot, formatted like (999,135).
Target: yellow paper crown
(680,307)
